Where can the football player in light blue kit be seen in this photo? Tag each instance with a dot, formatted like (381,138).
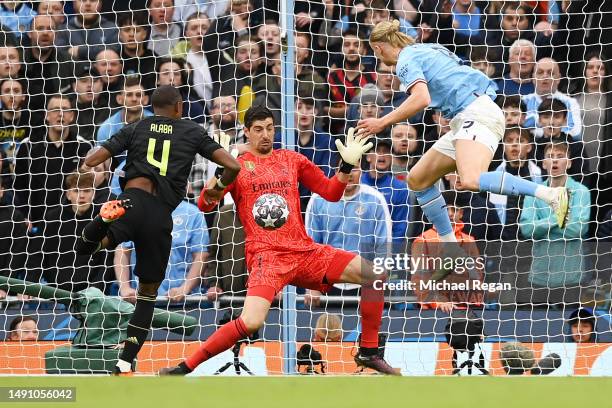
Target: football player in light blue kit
(436,78)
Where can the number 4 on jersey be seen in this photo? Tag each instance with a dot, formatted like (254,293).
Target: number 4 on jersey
(162,164)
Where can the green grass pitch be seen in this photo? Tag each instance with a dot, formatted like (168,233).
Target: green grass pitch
(317,392)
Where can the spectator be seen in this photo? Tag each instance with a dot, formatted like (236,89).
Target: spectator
(133,99)
(92,107)
(248,69)
(389,85)
(13,236)
(44,159)
(47,68)
(479,216)
(328,328)
(227,271)
(441,126)
(136,57)
(6,174)
(309,81)
(467,21)
(7,38)
(429,247)
(516,23)
(165,33)
(55,9)
(346,81)
(15,120)
(23,328)
(483,60)
(87,32)
(367,104)
(61,265)
(187,257)
(223,33)
(318,146)
(110,67)
(196,27)
(308,16)
(173,72)
(269,34)
(546,80)
(552,119)
(517,147)
(514,110)
(329,36)
(581,324)
(212,8)
(407,149)
(16,16)
(10,62)
(519,79)
(395,192)
(101,183)
(594,96)
(557,253)
(269,91)
(360,223)
(224,118)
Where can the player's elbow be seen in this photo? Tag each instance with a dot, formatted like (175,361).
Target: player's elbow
(235,167)
(424,100)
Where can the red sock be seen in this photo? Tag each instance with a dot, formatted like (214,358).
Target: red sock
(221,340)
(371,317)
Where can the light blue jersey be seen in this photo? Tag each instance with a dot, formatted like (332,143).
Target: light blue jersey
(189,236)
(360,223)
(452,86)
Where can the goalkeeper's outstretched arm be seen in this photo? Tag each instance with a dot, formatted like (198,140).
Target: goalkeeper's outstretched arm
(332,189)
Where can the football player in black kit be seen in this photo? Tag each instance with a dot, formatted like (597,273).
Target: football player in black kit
(160,152)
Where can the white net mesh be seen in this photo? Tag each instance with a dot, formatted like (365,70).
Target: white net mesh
(72,75)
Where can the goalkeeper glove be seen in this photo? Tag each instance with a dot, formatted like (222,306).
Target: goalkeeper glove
(352,150)
(224,140)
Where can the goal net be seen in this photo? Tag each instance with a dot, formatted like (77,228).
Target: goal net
(537,298)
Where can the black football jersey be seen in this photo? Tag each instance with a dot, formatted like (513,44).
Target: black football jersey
(162,149)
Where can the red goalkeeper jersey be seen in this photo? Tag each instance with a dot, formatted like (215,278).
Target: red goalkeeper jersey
(280,174)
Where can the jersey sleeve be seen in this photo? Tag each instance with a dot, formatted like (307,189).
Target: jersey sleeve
(120,141)
(314,179)
(198,233)
(207,145)
(409,69)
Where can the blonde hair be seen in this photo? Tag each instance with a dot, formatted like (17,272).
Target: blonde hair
(389,32)
(328,328)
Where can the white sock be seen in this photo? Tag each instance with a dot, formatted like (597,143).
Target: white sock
(124,366)
(547,194)
(448,237)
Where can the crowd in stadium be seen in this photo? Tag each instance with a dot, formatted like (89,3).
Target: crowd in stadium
(74,73)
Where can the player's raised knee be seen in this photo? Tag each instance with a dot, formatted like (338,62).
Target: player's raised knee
(469,182)
(416,183)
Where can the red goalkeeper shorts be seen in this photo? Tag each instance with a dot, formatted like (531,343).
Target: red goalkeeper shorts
(318,268)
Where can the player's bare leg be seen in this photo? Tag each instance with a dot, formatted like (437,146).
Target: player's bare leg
(253,316)
(371,307)
(473,159)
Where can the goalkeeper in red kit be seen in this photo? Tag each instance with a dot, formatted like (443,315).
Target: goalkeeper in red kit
(287,255)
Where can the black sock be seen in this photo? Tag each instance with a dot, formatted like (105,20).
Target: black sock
(138,327)
(368,351)
(92,234)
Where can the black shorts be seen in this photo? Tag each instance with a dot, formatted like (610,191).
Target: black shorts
(149,225)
